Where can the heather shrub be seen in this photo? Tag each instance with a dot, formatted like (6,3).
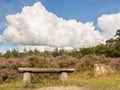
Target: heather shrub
(14,63)
(8,75)
(35,61)
(115,63)
(8,69)
(87,62)
(3,63)
(9,72)
(65,61)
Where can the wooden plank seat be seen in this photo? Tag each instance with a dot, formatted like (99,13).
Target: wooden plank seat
(27,73)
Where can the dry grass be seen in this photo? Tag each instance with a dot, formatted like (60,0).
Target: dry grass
(76,80)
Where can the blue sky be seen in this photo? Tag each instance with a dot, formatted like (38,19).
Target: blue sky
(80,10)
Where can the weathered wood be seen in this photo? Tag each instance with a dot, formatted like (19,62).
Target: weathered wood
(45,70)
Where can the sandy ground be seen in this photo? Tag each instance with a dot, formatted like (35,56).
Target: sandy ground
(57,88)
(62,88)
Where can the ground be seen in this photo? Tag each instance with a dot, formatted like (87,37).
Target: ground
(57,88)
(62,88)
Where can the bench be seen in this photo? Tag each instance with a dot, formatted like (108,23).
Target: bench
(27,73)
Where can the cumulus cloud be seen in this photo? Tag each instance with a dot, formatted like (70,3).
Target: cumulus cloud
(1,40)
(109,23)
(37,26)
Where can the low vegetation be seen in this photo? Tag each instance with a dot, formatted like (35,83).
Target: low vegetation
(9,72)
(81,80)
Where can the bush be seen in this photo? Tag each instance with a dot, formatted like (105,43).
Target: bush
(3,63)
(35,61)
(9,72)
(115,63)
(8,75)
(87,62)
(64,61)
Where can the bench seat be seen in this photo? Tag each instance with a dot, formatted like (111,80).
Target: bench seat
(45,70)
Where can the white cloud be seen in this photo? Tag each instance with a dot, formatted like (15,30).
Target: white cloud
(109,23)
(36,26)
(46,48)
(1,40)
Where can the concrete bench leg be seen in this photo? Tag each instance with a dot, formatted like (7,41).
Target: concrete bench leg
(27,77)
(63,77)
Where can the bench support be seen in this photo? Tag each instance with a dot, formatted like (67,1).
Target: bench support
(27,77)
(63,77)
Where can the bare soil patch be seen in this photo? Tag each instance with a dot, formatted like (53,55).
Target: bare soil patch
(62,88)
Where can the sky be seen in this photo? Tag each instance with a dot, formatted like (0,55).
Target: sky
(57,23)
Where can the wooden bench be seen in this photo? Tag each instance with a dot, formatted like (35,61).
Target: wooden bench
(27,73)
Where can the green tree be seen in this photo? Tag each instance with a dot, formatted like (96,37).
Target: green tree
(114,45)
(110,42)
(117,40)
(117,35)
(86,51)
(7,54)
